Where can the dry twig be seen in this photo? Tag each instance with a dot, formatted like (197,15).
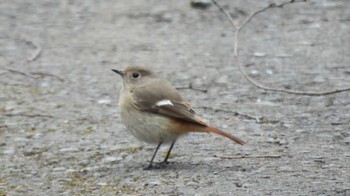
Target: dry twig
(42,74)
(35,75)
(36,53)
(27,115)
(193,88)
(238,29)
(21,73)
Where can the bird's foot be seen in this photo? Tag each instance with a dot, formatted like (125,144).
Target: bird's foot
(155,166)
(159,165)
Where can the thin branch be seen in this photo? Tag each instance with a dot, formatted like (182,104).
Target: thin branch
(235,27)
(21,73)
(27,115)
(42,74)
(193,88)
(249,157)
(36,53)
(259,120)
(37,46)
(238,28)
(32,74)
(271,5)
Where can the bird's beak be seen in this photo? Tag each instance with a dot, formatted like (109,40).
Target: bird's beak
(119,72)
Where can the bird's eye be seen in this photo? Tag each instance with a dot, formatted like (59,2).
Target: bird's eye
(136,75)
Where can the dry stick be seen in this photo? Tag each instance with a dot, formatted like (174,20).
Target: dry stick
(36,54)
(21,73)
(27,115)
(238,28)
(193,88)
(40,74)
(248,156)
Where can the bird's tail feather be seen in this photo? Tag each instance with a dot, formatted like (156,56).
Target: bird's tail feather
(222,133)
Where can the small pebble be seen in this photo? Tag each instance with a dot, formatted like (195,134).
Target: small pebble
(111,159)
(346,140)
(72,149)
(201,4)
(101,183)
(282,142)
(254,72)
(58,169)
(104,101)
(259,54)
(271,140)
(269,71)
(300,131)
(9,151)
(285,169)
(223,79)
(328,166)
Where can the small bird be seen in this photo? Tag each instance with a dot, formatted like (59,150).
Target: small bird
(153,111)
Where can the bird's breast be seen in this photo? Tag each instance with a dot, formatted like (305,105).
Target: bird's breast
(144,125)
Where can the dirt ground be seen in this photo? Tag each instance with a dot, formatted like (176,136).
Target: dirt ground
(61,133)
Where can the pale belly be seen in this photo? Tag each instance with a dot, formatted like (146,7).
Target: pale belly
(147,127)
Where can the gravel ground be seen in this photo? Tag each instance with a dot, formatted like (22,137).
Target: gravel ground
(61,134)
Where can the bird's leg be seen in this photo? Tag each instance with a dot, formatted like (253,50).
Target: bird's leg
(168,154)
(150,166)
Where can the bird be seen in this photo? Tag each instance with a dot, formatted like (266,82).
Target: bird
(153,111)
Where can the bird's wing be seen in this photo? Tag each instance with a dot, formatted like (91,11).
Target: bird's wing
(153,98)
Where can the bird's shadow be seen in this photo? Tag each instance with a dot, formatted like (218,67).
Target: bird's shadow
(185,166)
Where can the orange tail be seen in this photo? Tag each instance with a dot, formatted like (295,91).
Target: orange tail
(222,133)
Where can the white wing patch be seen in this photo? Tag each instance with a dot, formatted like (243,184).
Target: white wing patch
(164,102)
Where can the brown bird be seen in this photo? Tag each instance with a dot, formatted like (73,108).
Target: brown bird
(154,112)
